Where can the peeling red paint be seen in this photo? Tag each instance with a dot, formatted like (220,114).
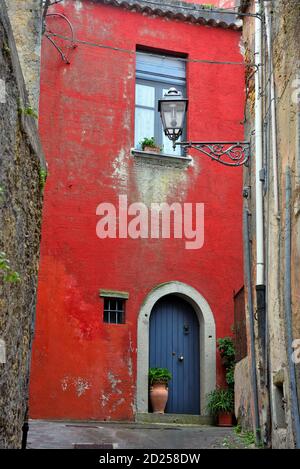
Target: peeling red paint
(87,124)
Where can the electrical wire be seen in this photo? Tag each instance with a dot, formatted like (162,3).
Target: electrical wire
(128,51)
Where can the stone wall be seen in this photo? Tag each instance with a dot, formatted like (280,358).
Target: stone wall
(22,176)
(25,17)
(286,57)
(242,394)
(273,371)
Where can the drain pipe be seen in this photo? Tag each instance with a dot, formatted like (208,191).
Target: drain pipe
(259,183)
(260,263)
(247,254)
(288,310)
(267,6)
(259,202)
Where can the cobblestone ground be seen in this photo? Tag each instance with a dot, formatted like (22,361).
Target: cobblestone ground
(46,434)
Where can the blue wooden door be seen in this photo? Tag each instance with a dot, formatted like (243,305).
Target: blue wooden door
(174,344)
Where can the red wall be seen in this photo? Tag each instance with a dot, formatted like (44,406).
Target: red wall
(81,367)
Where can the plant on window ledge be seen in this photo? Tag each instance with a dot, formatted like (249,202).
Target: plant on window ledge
(149,144)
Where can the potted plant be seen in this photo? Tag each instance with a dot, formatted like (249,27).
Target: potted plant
(149,144)
(158,381)
(220,404)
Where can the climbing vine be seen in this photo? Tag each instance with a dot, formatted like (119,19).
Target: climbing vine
(227,352)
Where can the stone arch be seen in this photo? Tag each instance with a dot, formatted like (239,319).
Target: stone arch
(207,340)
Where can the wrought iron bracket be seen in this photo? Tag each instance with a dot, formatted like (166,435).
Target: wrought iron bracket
(50,35)
(227,153)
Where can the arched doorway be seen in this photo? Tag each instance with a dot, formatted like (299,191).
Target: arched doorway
(174,344)
(207,340)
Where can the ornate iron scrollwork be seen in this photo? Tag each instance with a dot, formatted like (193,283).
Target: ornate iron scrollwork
(227,153)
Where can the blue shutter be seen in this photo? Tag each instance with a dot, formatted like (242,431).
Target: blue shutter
(160,68)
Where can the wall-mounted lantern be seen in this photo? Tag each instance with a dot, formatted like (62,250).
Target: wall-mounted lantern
(172,108)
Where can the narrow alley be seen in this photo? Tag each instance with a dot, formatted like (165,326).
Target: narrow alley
(119,435)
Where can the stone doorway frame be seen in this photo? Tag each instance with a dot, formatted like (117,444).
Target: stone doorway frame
(207,331)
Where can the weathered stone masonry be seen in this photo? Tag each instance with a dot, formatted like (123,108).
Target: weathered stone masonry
(25,18)
(276,416)
(22,175)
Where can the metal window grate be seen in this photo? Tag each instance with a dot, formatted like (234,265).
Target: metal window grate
(114,311)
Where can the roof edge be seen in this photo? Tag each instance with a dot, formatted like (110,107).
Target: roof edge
(180,10)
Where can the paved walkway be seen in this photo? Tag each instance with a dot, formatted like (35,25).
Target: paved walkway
(45,434)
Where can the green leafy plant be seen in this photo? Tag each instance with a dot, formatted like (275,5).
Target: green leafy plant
(9,275)
(230,376)
(159,375)
(227,352)
(43,177)
(241,439)
(220,400)
(12,277)
(237,429)
(28,111)
(247,436)
(148,142)
(226,349)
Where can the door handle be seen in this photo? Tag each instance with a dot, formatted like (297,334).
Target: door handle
(181,358)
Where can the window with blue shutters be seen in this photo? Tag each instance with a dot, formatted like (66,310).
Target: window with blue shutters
(155,74)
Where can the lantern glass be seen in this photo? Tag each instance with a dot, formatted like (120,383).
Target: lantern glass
(172,113)
(172,108)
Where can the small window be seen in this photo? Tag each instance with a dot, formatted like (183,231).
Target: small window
(114,311)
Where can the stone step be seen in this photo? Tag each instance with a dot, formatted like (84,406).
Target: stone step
(181,419)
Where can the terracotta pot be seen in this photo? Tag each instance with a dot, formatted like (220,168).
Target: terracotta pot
(152,149)
(225,419)
(158,397)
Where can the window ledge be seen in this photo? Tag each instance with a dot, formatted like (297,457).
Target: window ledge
(162,157)
(114,294)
